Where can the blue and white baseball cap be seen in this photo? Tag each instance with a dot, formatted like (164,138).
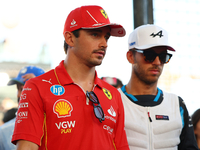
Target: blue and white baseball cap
(25,70)
(148,36)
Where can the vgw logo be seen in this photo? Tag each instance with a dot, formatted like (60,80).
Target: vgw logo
(57,90)
(66,126)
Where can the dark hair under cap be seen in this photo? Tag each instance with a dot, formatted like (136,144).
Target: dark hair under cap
(195,117)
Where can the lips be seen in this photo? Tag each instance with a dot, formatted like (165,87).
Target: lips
(155,71)
(100,52)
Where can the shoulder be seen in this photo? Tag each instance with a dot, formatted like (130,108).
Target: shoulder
(181,102)
(108,87)
(183,108)
(43,76)
(42,79)
(169,94)
(110,91)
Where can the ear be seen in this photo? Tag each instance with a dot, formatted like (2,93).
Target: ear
(69,38)
(130,57)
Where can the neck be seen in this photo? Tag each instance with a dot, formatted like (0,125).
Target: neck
(81,74)
(137,87)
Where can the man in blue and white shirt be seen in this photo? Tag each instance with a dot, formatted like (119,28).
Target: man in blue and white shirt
(154,119)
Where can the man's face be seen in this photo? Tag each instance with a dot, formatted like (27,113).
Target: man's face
(148,72)
(19,90)
(90,47)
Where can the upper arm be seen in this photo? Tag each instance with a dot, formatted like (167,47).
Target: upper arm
(26,145)
(187,138)
(30,113)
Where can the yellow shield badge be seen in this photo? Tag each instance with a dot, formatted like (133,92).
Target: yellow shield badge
(104,13)
(107,93)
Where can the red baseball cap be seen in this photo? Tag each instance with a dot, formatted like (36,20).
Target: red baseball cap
(91,17)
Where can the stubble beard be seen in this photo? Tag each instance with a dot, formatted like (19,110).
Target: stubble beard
(99,60)
(144,77)
(93,63)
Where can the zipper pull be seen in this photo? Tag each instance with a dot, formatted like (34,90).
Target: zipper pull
(149,116)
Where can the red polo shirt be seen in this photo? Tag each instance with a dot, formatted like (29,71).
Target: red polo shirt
(55,113)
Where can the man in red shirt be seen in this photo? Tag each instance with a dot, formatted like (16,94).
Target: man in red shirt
(69,107)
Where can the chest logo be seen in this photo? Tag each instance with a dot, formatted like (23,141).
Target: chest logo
(62,108)
(57,90)
(162,117)
(112,112)
(48,81)
(107,93)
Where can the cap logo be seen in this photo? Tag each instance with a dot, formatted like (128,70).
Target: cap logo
(104,13)
(73,22)
(131,44)
(157,34)
(120,31)
(23,70)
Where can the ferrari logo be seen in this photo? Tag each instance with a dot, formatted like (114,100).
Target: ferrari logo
(107,93)
(104,13)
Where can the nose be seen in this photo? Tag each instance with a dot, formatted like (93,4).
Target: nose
(103,43)
(157,61)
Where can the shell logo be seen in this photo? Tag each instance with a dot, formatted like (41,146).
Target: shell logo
(62,108)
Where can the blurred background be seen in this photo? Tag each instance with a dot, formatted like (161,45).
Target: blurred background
(31,34)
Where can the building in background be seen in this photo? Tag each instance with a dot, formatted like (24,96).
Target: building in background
(182,75)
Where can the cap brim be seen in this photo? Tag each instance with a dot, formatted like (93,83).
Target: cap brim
(13,81)
(150,46)
(116,29)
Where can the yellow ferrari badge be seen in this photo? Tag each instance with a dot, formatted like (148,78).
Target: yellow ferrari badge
(107,93)
(104,13)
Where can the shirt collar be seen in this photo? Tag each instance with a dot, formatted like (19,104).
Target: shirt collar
(62,74)
(64,78)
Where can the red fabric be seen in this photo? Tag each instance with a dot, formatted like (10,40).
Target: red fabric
(89,17)
(60,115)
